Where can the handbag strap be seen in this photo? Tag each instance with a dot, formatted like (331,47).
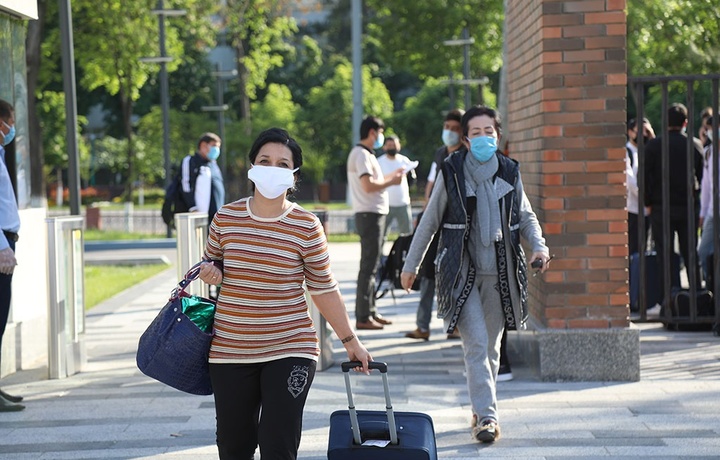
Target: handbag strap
(189,277)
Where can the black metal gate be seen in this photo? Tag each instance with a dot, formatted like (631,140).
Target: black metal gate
(671,316)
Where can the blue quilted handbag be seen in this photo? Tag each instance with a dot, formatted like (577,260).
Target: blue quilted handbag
(174,349)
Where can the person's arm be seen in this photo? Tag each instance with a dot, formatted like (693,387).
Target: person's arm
(530,228)
(332,307)
(210,271)
(630,175)
(426,229)
(372,185)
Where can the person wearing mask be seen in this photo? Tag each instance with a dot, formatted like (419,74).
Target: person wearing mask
(266,250)
(202,184)
(399,209)
(451,134)
(631,172)
(368,190)
(10,224)
(479,206)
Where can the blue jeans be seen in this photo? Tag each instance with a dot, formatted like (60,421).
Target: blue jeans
(369,226)
(427,298)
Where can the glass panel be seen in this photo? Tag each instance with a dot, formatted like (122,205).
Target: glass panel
(79,291)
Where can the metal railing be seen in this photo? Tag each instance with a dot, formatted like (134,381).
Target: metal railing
(667,244)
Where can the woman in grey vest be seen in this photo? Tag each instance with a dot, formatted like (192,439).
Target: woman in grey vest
(480,209)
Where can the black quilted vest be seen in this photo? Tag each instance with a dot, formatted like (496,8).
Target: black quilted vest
(452,245)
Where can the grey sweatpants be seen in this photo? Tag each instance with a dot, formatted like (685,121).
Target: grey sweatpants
(481,325)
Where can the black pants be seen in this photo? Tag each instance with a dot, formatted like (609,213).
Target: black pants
(261,404)
(634,243)
(679,226)
(5,295)
(370,227)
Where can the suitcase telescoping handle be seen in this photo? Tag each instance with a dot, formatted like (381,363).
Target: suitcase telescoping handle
(382,367)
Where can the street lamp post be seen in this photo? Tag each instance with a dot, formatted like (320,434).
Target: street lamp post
(220,108)
(163,59)
(465,42)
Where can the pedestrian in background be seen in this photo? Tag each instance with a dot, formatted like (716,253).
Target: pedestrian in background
(400,210)
(479,206)
(368,190)
(679,190)
(203,189)
(265,250)
(451,139)
(10,225)
(634,131)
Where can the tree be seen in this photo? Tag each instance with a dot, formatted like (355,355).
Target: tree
(328,114)
(672,37)
(256,29)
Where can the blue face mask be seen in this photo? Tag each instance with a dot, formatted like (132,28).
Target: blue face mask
(213,153)
(483,147)
(10,135)
(450,138)
(380,141)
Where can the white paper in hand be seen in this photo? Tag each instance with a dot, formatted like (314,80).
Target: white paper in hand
(411,166)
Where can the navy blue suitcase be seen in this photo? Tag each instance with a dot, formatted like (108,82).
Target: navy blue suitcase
(411,435)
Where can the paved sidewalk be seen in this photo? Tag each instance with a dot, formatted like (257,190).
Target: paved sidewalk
(111,410)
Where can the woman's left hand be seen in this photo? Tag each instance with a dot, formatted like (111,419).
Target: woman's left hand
(210,274)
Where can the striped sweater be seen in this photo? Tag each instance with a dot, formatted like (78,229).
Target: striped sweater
(262,314)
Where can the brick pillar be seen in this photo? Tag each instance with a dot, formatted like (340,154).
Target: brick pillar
(566,85)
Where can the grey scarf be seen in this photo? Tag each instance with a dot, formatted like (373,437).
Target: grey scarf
(479,182)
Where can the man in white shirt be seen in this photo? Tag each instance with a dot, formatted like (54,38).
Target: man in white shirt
(705,247)
(10,225)
(370,204)
(203,189)
(398,195)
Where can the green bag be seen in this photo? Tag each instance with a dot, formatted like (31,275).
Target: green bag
(200,311)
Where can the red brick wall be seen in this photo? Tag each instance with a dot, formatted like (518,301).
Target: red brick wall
(566,76)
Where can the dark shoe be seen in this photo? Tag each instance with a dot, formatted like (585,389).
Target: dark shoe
(418,334)
(504,373)
(381,319)
(13,399)
(7,406)
(454,335)
(487,431)
(368,325)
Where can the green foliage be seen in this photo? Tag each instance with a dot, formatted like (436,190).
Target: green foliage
(410,35)
(419,125)
(673,37)
(327,119)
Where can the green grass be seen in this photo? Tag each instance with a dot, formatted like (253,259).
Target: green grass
(104,281)
(112,235)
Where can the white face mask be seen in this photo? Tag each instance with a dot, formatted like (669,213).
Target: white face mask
(272,181)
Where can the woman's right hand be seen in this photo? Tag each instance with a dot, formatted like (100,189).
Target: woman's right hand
(210,274)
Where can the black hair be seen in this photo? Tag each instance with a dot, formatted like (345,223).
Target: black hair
(278,136)
(209,137)
(677,115)
(368,124)
(477,111)
(632,123)
(6,109)
(392,137)
(455,114)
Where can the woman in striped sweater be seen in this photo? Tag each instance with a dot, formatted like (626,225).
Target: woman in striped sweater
(265,251)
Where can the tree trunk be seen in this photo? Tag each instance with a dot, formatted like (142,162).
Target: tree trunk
(38,196)
(245,99)
(127,107)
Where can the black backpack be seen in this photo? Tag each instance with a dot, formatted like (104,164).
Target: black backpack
(173,202)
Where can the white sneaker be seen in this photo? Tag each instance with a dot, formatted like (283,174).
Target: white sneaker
(654,311)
